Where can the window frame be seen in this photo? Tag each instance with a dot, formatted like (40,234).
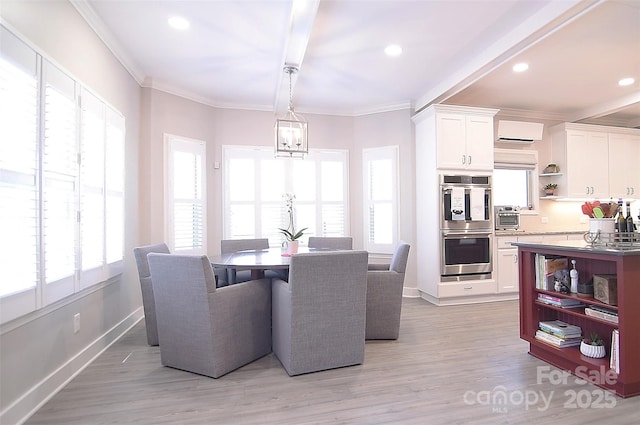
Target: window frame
(385,153)
(172,144)
(23,301)
(517,159)
(315,156)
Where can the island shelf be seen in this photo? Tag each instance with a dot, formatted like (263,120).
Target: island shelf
(625,264)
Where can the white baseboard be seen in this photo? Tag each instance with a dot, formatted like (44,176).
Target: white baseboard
(475,299)
(25,406)
(410,292)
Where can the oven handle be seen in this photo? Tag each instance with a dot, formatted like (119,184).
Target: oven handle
(460,235)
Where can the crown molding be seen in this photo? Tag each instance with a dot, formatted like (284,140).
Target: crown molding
(97,25)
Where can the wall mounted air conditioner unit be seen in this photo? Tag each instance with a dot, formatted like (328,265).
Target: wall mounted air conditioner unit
(519,131)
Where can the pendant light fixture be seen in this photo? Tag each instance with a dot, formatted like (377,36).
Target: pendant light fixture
(291,129)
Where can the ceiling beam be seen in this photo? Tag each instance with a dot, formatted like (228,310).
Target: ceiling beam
(607,108)
(549,19)
(303,15)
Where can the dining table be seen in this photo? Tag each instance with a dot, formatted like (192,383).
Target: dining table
(258,260)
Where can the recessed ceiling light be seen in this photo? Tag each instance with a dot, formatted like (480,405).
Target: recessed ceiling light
(520,67)
(178,23)
(626,81)
(393,50)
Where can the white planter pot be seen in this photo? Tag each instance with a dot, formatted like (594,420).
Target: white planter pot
(292,247)
(595,351)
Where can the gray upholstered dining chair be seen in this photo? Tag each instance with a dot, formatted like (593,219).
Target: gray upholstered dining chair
(228,246)
(319,314)
(333,242)
(385,283)
(148,302)
(203,329)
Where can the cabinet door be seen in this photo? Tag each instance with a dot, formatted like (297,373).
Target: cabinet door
(507,265)
(624,174)
(451,137)
(480,142)
(587,165)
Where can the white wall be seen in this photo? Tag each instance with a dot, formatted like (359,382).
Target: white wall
(385,129)
(40,352)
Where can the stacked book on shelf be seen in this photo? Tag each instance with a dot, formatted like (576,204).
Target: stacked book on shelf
(614,360)
(560,302)
(559,334)
(602,313)
(547,269)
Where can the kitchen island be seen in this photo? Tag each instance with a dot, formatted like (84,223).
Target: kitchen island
(624,263)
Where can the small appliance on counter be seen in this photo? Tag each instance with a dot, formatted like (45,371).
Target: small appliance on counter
(507,217)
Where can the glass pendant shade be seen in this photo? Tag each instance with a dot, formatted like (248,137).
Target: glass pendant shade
(291,136)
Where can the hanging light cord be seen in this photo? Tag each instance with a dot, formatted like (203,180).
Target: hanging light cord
(290,91)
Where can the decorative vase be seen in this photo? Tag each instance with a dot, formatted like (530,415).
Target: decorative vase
(549,192)
(595,351)
(292,247)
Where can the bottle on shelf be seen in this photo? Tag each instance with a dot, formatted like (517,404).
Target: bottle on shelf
(629,222)
(573,274)
(621,223)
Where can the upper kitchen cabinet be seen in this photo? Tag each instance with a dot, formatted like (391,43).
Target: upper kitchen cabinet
(624,160)
(583,158)
(462,136)
(597,161)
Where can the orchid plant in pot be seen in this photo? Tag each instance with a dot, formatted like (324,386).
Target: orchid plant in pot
(291,235)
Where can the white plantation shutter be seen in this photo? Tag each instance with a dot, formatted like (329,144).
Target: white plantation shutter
(18,174)
(186,200)
(92,182)
(380,167)
(255,183)
(59,183)
(114,183)
(240,198)
(333,198)
(52,211)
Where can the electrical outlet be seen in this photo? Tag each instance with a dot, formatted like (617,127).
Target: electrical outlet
(544,220)
(76,323)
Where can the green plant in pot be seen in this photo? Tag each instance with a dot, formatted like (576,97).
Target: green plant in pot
(550,188)
(593,346)
(290,233)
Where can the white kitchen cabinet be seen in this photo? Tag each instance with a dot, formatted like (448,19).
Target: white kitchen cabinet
(597,161)
(464,140)
(583,157)
(445,137)
(507,264)
(624,171)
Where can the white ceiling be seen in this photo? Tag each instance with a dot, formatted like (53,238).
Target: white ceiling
(458,52)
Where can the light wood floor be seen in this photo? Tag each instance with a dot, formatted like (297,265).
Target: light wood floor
(448,367)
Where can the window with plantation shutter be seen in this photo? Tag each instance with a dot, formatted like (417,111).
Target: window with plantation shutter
(92,168)
(61,183)
(186,195)
(380,167)
(18,174)
(255,182)
(114,186)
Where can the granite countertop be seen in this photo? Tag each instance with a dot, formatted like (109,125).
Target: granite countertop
(579,246)
(538,232)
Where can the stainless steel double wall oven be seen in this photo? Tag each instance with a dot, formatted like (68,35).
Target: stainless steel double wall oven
(466,227)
